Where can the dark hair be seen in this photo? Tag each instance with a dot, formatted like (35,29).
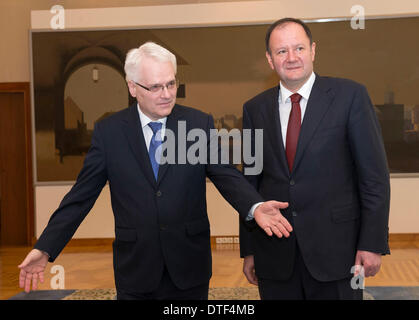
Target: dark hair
(284,21)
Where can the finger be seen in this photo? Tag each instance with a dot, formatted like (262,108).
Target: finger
(251,280)
(283,230)
(255,278)
(35,281)
(22,277)
(368,272)
(357,269)
(280,205)
(285,223)
(276,231)
(268,231)
(358,259)
(371,270)
(375,270)
(360,270)
(41,277)
(250,276)
(28,282)
(23,264)
(358,262)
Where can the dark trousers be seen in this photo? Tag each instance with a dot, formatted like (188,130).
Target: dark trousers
(302,286)
(166,290)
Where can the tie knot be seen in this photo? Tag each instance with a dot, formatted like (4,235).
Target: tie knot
(295,98)
(155,126)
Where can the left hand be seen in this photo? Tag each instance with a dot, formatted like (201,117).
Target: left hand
(270,219)
(370,261)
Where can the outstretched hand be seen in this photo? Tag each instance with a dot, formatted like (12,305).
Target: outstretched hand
(32,270)
(270,219)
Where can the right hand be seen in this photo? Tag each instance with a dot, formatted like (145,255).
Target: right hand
(31,269)
(249,269)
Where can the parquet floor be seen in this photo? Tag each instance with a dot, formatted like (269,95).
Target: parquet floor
(90,267)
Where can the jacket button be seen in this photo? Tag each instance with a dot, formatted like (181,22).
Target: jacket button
(158,193)
(294,213)
(163,227)
(292,182)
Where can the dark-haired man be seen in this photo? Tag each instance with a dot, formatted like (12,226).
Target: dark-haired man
(323,154)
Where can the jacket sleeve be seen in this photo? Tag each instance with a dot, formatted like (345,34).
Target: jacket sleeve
(229,181)
(369,156)
(78,201)
(246,227)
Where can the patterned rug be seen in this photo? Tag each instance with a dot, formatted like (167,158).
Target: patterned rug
(251,293)
(213,294)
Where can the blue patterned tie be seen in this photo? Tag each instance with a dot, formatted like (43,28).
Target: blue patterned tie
(154,144)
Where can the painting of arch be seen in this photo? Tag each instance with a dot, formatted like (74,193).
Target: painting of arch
(78,79)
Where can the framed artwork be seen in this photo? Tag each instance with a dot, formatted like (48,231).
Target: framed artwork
(78,79)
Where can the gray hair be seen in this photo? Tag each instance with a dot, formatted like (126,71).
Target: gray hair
(150,50)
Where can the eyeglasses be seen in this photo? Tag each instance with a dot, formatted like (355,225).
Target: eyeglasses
(160,87)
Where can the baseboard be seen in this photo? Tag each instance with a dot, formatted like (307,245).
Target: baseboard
(230,242)
(92,242)
(396,241)
(404,240)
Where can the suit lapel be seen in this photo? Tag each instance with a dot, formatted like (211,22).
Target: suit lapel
(274,127)
(136,140)
(320,99)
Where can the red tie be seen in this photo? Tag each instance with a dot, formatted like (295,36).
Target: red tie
(293,131)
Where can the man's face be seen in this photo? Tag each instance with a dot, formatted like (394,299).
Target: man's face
(154,105)
(291,55)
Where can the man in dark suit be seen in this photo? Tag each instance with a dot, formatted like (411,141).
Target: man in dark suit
(162,246)
(323,154)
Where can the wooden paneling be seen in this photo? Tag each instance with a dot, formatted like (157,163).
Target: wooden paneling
(16,186)
(404,240)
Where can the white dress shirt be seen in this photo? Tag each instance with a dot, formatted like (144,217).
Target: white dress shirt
(147,132)
(285,106)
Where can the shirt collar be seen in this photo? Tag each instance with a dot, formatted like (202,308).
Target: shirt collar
(304,91)
(146,120)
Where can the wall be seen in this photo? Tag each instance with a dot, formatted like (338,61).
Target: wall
(15,21)
(99,222)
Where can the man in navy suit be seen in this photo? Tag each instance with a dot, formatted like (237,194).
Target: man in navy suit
(162,244)
(323,154)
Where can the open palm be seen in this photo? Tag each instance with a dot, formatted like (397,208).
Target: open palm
(32,270)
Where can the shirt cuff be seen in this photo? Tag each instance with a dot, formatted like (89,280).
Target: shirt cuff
(46,253)
(250,215)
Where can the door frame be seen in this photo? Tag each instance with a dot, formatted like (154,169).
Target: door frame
(24,87)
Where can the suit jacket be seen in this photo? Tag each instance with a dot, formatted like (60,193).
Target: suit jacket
(157,223)
(338,191)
